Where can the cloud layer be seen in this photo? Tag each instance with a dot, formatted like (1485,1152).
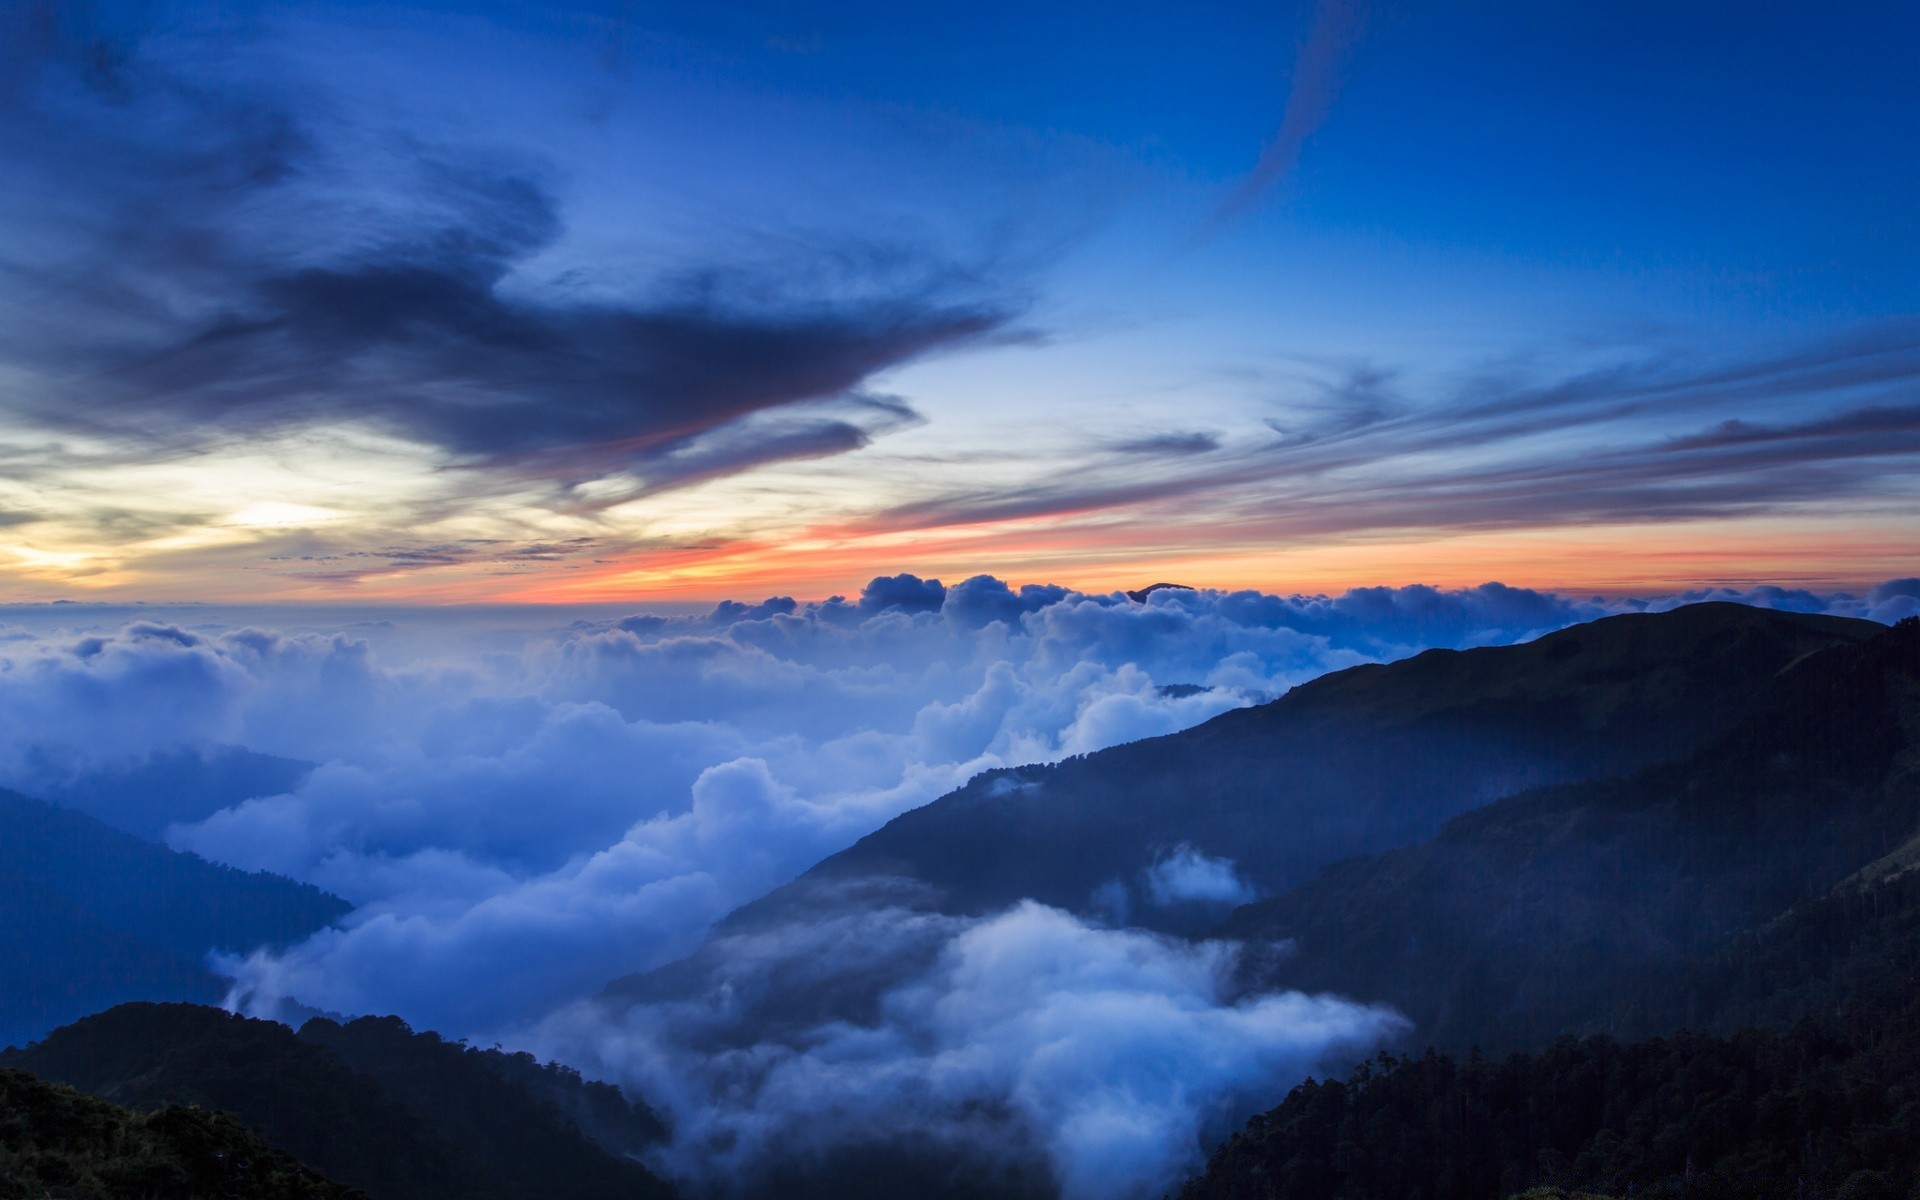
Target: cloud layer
(522,814)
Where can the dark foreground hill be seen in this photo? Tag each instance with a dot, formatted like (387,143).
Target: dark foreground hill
(1356,762)
(403,1116)
(91,916)
(56,1142)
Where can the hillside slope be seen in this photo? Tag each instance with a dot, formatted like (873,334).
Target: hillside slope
(91,916)
(55,1141)
(1586,908)
(1828,1110)
(404,1116)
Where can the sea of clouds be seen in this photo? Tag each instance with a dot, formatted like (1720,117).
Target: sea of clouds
(524,815)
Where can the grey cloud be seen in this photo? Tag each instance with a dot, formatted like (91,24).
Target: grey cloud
(1170,444)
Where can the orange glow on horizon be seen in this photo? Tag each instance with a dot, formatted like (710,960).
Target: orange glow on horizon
(1094,555)
(1612,561)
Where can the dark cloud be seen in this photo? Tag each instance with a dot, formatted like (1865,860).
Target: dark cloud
(222,263)
(425,343)
(979,601)
(902,593)
(1170,444)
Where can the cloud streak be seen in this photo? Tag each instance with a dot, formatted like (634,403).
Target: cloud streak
(1310,93)
(1510,453)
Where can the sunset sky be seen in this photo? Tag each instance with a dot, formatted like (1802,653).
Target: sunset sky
(578,303)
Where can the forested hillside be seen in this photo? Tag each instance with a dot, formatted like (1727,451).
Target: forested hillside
(1828,1109)
(427,1119)
(1589,908)
(58,1144)
(91,916)
(1760,894)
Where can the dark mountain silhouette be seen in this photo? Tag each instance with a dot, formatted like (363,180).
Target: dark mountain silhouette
(1139,595)
(90,916)
(1356,762)
(56,1142)
(403,1116)
(1584,908)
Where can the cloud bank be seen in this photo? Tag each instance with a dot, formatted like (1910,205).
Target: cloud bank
(522,814)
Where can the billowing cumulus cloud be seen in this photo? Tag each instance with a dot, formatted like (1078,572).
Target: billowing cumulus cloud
(521,815)
(1102,1059)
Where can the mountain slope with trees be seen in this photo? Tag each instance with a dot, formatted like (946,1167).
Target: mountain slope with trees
(1822,1102)
(403,1116)
(1588,908)
(58,1144)
(91,916)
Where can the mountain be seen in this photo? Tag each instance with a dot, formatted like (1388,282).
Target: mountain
(402,1115)
(1827,1110)
(1587,908)
(55,1141)
(176,786)
(1763,891)
(1356,762)
(90,916)
(1328,797)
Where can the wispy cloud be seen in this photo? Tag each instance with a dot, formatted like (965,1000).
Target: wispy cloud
(1366,453)
(1316,78)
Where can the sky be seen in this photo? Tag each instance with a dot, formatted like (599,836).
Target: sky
(516,303)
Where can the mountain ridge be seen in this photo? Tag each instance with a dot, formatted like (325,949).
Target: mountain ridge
(1304,785)
(1477,933)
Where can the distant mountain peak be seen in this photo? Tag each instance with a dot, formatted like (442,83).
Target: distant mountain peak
(1140,596)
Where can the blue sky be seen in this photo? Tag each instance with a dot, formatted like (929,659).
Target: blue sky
(703,297)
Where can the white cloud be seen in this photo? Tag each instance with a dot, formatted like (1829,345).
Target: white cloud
(1185,876)
(1111,1055)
